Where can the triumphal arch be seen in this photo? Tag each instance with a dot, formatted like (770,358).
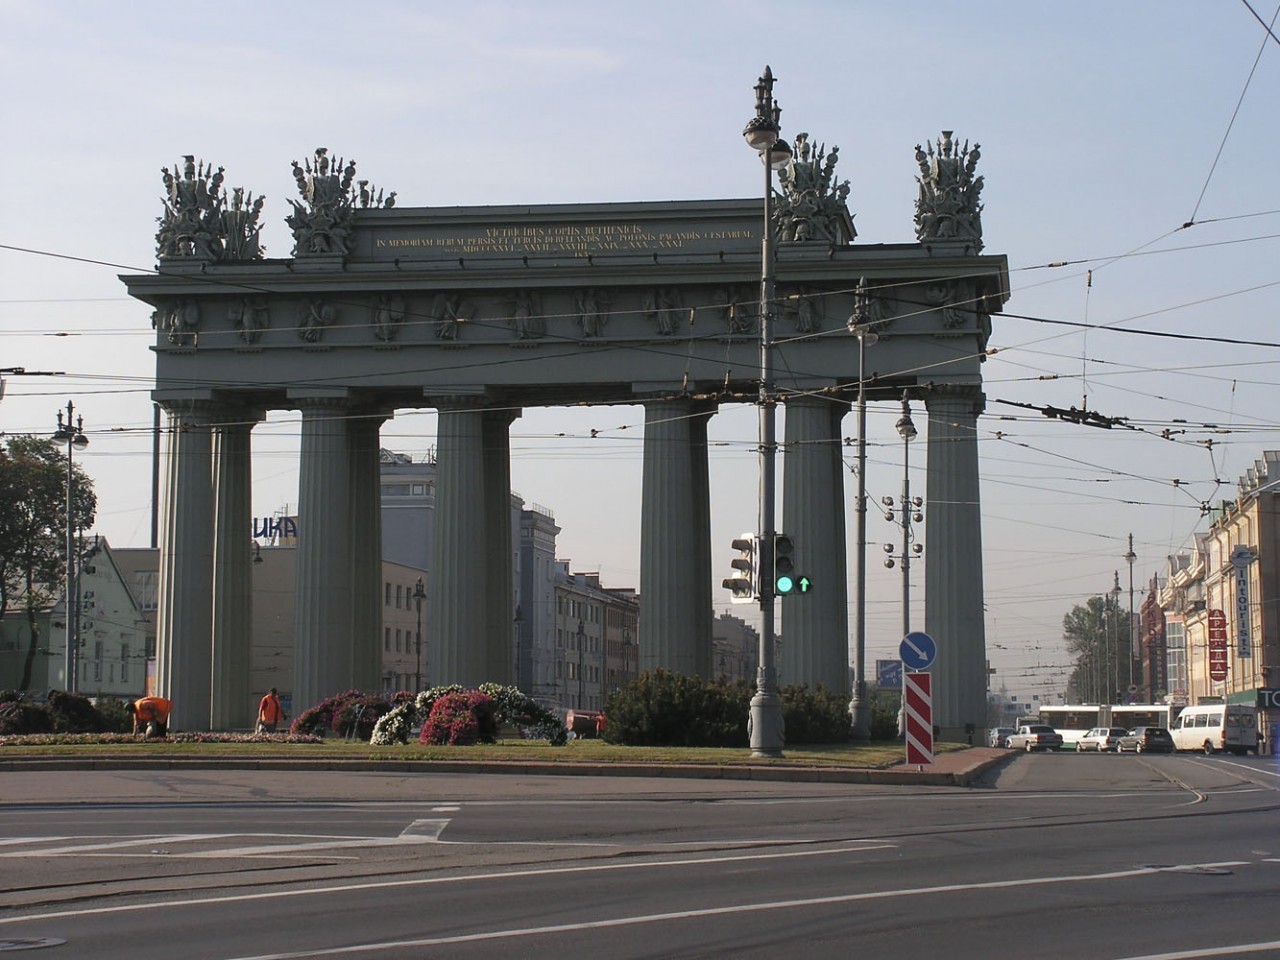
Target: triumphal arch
(481,311)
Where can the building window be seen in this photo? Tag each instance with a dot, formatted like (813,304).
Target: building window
(397,639)
(386,639)
(97,660)
(386,594)
(124,662)
(399,589)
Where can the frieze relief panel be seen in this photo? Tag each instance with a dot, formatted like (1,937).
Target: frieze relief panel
(527,317)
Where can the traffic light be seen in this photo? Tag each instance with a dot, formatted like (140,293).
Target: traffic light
(785,579)
(743,582)
(784,564)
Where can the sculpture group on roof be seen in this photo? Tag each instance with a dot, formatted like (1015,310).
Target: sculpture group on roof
(948,205)
(198,223)
(812,205)
(321,223)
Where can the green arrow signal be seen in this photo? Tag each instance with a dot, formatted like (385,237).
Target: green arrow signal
(804,584)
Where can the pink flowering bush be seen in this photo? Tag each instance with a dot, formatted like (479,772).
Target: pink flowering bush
(350,713)
(460,719)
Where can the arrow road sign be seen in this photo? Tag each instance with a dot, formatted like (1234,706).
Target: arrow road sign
(917,651)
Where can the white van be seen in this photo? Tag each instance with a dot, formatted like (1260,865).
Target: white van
(1214,726)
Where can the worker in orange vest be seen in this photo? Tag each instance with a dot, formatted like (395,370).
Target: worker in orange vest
(270,712)
(151,715)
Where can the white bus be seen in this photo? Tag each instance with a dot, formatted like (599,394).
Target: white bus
(1130,715)
(1211,727)
(1073,721)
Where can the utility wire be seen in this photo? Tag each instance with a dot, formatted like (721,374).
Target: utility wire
(1214,166)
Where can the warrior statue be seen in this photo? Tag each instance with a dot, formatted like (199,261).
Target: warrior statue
(321,224)
(948,205)
(812,205)
(240,227)
(197,223)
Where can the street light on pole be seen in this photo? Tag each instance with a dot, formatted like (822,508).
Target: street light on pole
(582,638)
(419,593)
(761,134)
(1115,633)
(907,431)
(74,437)
(1129,558)
(859,707)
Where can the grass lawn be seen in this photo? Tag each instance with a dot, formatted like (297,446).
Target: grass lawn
(873,755)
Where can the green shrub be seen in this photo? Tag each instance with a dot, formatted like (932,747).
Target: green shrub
(115,716)
(671,709)
(815,716)
(20,717)
(73,713)
(884,721)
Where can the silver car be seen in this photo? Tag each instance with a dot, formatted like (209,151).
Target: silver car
(1101,739)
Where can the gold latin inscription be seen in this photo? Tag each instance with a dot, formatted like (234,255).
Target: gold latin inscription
(564,238)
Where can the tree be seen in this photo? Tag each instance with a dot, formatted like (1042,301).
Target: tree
(33,523)
(1095,633)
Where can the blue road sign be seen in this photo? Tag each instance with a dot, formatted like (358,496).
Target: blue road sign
(917,651)
(889,674)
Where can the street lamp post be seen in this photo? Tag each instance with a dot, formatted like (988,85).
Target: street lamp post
(907,431)
(1115,634)
(1129,558)
(761,134)
(582,636)
(859,706)
(74,437)
(419,592)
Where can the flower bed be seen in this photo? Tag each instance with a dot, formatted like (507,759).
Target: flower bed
(509,706)
(73,739)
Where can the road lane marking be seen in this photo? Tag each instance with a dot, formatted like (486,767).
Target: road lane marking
(433,881)
(421,830)
(736,909)
(79,848)
(1235,950)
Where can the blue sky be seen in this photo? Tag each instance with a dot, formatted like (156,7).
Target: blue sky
(1099,123)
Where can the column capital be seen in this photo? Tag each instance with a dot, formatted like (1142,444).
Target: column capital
(199,410)
(956,393)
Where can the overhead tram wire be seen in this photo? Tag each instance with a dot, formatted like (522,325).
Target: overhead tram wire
(1236,112)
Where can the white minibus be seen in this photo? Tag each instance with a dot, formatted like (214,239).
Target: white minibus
(1215,726)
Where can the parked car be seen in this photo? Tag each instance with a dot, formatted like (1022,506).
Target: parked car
(1101,739)
(997,736)
(1146,740)
(1036,736)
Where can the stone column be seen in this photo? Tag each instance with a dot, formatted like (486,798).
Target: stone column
(233,704)
(322,663)
(184,643)
(815,626)
(456,614)
(700,478)
(953,559)
(499,561)
(366,539)
(675,586)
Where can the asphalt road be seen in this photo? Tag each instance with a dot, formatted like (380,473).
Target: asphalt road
(1052,856)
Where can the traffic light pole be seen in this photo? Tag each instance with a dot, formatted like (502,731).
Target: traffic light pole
(765,726)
